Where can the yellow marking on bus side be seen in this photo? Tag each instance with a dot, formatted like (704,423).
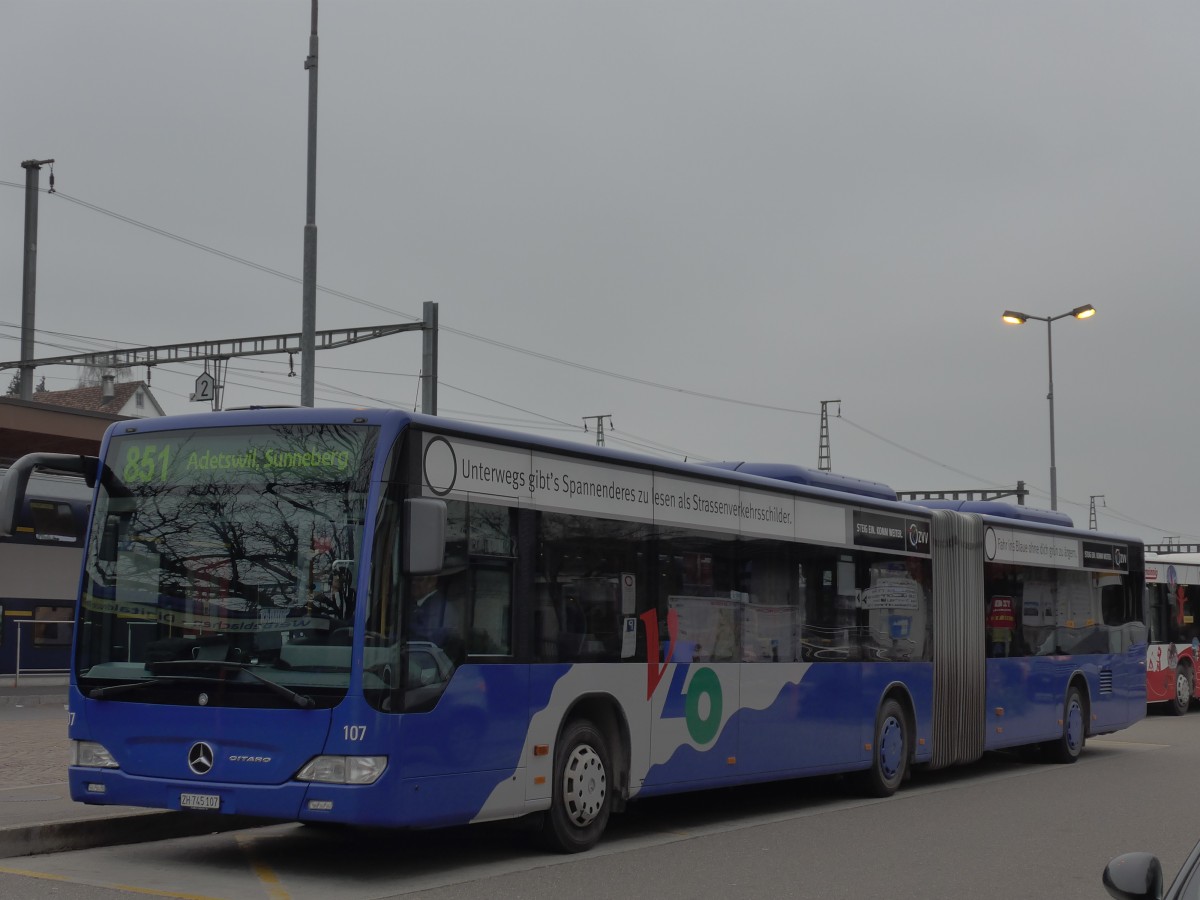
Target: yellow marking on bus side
(265,874)
(149,892)
(20,613)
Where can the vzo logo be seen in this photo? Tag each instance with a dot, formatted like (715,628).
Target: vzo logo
(700,704)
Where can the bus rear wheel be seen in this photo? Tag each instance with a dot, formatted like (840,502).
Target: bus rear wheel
(1067,748)
(1183,690)
(581,801)
(889,762)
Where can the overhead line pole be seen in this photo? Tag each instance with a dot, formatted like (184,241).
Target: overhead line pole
(33,168)
(308,319)
(599,426)
(429,357)
(824,459)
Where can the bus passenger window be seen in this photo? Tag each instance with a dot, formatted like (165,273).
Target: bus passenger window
(821,639)
(895,605)
(587,583)
(769,614)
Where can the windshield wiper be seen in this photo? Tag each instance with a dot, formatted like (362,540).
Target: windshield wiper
(216,665)
(112,689)
(202,671)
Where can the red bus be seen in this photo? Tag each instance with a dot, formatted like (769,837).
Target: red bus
(1173,614)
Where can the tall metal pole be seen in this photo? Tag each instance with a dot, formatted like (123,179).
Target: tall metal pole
(308,327)
(1050,397)
(33,168)
(599,426)
(1012,317)
(429,358)
(824,459)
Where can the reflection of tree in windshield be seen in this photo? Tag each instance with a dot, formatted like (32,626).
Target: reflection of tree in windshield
(244,536)
(225,532)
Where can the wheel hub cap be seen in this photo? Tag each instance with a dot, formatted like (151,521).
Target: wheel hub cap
(584,785)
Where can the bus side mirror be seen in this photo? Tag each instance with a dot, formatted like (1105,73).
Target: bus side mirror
(424,536)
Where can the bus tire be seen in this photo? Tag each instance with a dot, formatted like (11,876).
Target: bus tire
(1067,748)
(1183,690)
(890,751)
(582,798)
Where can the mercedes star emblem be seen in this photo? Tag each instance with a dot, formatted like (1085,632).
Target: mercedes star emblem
(200,758)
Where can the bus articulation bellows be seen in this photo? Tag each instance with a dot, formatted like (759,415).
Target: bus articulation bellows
(380,618)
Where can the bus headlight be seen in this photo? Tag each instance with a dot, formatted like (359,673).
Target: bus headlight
(91,755)
(343,769)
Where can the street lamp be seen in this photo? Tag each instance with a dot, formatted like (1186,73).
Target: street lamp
(1019,318)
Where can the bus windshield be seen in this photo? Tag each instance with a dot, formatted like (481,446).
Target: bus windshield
(225,560)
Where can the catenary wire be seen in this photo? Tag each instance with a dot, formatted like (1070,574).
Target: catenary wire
(503,345)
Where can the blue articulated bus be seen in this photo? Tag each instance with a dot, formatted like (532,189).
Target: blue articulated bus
(381,618)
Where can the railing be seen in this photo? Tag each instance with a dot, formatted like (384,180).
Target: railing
(19,624)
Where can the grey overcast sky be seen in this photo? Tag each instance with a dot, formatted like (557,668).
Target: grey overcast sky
(700,217)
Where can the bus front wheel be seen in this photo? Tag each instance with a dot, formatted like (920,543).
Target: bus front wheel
(1068,747)
(581,801)
(1183,690)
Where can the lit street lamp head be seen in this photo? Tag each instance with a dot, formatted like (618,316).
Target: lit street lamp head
(1011,317)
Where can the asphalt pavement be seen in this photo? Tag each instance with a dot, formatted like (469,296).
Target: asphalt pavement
(37,814)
